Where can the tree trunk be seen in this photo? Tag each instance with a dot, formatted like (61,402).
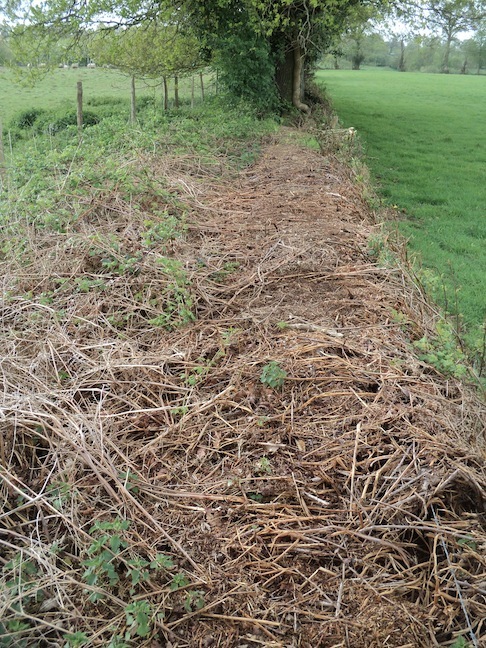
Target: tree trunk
(192,92)
(445,63)
(284,76)
(401,61)
(298,80)
(290,76)
(133,102)
(166,93)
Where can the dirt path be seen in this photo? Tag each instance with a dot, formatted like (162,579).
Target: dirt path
(316,496)
(315,484)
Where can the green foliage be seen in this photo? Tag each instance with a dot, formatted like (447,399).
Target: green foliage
(139,615)
(19,582)
(468,542)
(150,49)
(10,632)
(228,268)
(195,375)
(38,120)
(263,466)
(108,563)
(250,78)
(102,566)
(76,639)
(442,351)
(380,251)
(177,300)
(460,642)
(273,375)
(249,39)
(166,229)
(194,599)
(26,118)
(60,493)
(178,581)
(130,481)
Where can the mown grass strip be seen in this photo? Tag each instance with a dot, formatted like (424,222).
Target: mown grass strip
(425,141)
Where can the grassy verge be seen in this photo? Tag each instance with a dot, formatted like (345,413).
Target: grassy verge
(425,144)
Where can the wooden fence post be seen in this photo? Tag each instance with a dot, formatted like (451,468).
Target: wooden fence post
(133,102)
(80,108)
(176,91)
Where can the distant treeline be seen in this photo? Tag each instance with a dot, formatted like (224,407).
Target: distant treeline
(408,54)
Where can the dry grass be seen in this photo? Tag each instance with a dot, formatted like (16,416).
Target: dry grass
(344,508)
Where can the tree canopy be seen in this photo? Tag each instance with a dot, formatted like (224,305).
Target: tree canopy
(264,48)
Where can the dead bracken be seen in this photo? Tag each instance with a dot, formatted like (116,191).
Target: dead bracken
(341,504)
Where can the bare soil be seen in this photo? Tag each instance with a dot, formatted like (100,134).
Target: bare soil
(342,507)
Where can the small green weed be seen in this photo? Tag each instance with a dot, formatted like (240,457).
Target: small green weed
(130,481)
(442,352)
(76,639)
(122,265)
(228,268)
(273,375)
(380,252)
(107,563)
(60,493)
(230,336)
(262,421)
(194,599)
(139,615)
(263,466)
(10,632)
(179,412)
(22,577)
(468,542)
(85,284)
(203,368)
(103,567)
(177,303)
(400,318)
(166,229)
(20,582)
(460,642)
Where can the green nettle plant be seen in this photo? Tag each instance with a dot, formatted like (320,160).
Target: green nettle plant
(273,375)
(112,568)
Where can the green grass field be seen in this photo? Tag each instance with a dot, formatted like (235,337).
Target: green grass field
(59,86)
(425,140)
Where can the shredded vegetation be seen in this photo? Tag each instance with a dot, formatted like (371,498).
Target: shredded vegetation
(216,425)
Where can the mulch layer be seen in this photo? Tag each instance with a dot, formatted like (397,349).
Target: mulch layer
(315,483)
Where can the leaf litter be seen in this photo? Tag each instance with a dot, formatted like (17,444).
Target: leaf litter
(337,502)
